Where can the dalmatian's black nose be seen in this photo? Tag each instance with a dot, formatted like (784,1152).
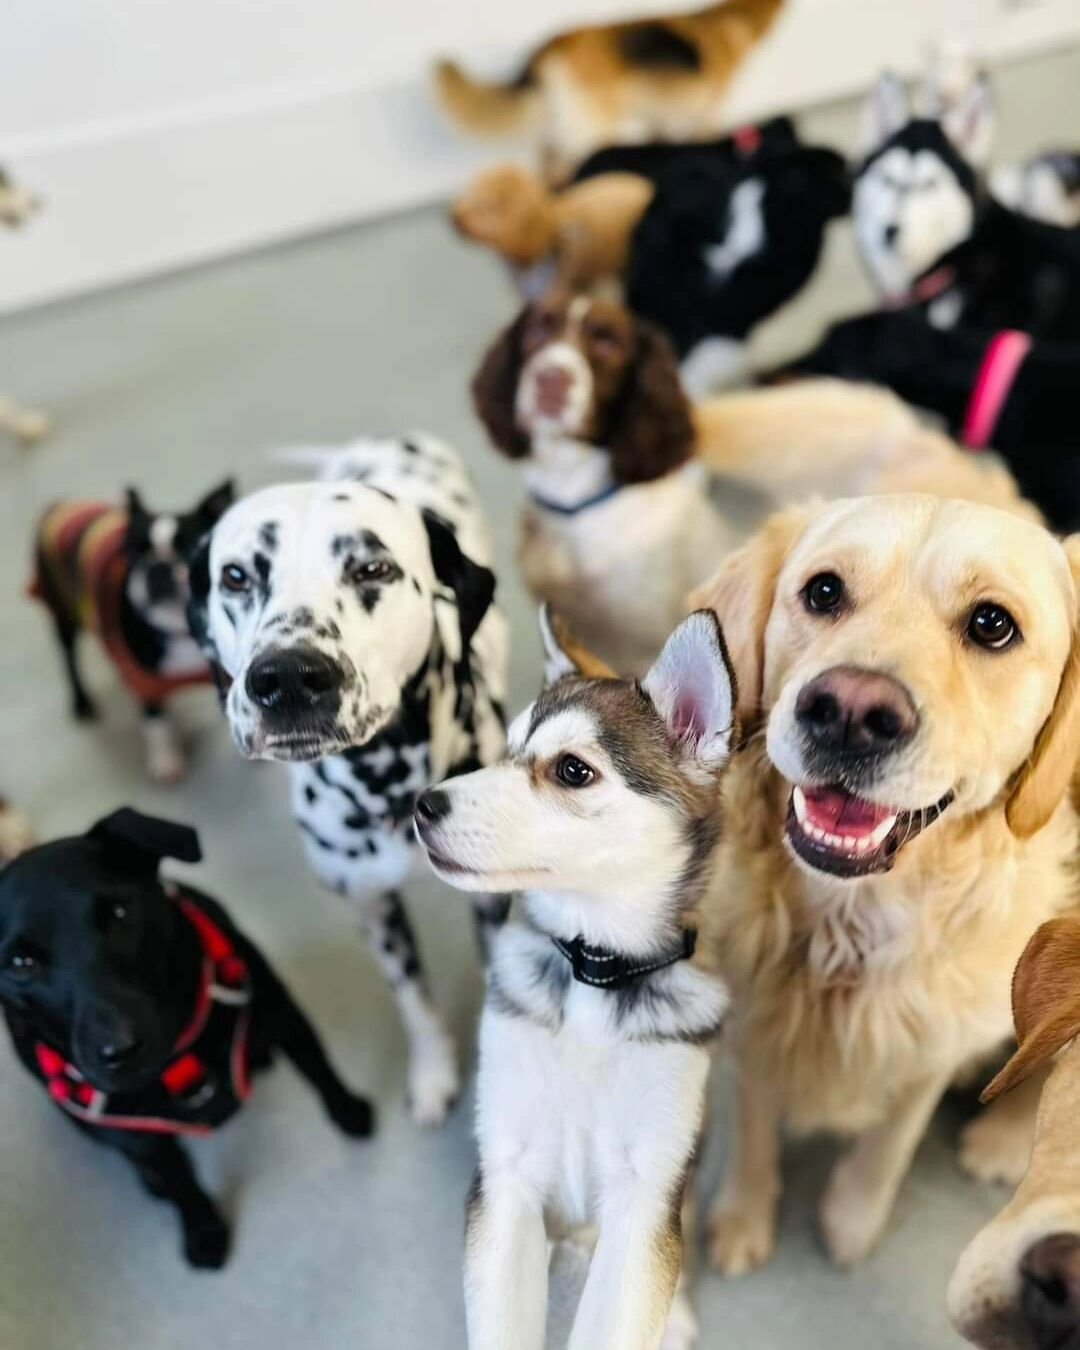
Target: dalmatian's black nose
(294,679)
(432,806)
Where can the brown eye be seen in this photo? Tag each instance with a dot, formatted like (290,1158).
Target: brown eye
(235,579)
(992,626)
(573,772)
(375,569)
(823,593)
(602,336)
(21,965)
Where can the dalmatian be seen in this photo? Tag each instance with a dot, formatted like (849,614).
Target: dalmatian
(351,627)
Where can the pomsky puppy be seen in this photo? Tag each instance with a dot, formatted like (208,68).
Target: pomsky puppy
(593,1058)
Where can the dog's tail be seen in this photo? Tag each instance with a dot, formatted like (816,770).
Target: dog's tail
(496,109)
(816,436)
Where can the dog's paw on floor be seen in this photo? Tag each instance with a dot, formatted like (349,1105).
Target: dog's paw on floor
(740,1240)
(996,1149)
(853,1215)
(434,1082)
(681,1332)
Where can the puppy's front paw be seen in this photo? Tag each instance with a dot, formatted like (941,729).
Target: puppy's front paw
(434,1083)
(165,761)
(206,1242)
(354,1116)
(996,1147)
(681,1332)
(853,1216)
(740,1240)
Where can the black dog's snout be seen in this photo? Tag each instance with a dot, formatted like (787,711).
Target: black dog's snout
(856,712)
(1050,1290)
(119,1047)
(294,679)
(161,582)
(432,806)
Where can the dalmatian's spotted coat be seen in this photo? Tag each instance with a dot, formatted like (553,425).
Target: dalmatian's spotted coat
(351,622)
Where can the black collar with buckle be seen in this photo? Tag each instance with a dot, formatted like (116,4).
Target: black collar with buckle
(601,968)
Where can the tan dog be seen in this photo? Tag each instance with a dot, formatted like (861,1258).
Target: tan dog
(911,669)
(576,237)
(650,79)
(1017,1287)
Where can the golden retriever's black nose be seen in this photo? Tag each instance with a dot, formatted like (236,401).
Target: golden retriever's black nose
(1050,1293)
(432,806)
(294,679)
(851,711)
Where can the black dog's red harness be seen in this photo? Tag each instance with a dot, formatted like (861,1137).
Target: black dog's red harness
(206,1079)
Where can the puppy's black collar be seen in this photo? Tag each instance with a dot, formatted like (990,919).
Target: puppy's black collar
(601,968)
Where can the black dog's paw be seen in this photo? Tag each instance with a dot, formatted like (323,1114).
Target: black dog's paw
(206,1243)
(354,1116)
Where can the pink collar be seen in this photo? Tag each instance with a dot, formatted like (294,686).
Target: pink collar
(927,288)
(993,384)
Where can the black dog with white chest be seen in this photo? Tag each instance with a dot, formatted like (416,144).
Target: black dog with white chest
(143,1010)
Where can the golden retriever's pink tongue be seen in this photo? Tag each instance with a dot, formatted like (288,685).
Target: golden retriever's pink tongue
(838,813)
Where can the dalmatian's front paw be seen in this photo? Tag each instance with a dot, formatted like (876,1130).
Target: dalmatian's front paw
(434,1081)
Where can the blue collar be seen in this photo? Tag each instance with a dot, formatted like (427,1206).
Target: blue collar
(558,509)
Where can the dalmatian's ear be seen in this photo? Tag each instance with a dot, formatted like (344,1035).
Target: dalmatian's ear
(139,841)
(473,585)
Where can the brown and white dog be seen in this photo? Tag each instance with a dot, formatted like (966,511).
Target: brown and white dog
(618,527)
(1017,1287)
(899,825)
(653,79)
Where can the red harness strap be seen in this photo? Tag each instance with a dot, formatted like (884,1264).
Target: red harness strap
(206,1079)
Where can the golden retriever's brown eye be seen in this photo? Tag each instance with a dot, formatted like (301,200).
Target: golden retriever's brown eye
(573,772)
(992,626)
(235,579)
(823,593)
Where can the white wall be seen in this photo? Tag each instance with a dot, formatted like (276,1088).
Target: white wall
(162,132)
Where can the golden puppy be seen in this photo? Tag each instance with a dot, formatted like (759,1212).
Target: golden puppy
(911,667)
(658,79)
(581,235)
(1017,1287)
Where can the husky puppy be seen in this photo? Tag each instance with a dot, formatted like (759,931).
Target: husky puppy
(594,1035)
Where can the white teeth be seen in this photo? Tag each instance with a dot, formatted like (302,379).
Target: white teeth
(798,800)
(878,836)
(848,843)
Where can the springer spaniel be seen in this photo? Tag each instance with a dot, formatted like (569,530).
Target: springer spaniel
(618,528)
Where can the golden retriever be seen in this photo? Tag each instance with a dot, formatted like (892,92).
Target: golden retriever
(909,669)
(653,79)
(1017,1287)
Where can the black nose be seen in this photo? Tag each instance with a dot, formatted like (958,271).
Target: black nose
(856,712)
(890,234)
(294,679)
(161,582)
(121,1046)
(1050,1290)
(432,806)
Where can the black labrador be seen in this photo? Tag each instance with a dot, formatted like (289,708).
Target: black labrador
(143,1010)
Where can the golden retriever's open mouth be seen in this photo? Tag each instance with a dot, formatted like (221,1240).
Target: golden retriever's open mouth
(847,836)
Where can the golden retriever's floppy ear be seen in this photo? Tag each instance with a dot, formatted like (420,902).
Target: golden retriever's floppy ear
(564,654)
(1046,776)
(741,594)
(1046,1001)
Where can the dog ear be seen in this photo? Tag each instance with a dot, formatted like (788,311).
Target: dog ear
(134,505)
(1046,1001)
(968,121)
(1045,777)
(494,389)
(472,584)
(885,111)
(693,688)
(216,502)
(145,840)
(564,654)
(651,430)
(741,595)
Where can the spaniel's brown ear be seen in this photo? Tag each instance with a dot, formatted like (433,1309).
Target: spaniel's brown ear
(1046,1001)
(1045,778)
(651,430)
(742,594)
(494,389)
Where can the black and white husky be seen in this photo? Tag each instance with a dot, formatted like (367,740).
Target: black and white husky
(594,1035)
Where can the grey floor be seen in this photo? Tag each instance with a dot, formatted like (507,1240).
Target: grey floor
(171,385)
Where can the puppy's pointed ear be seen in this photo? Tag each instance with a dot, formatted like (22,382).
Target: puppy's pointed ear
(1045,778)
(472,584)
(216,502)
(564,655)
(693,688)
(1046,1001)
(885,112)
(741,595)
(968,120)
(134,504)
(134,839)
